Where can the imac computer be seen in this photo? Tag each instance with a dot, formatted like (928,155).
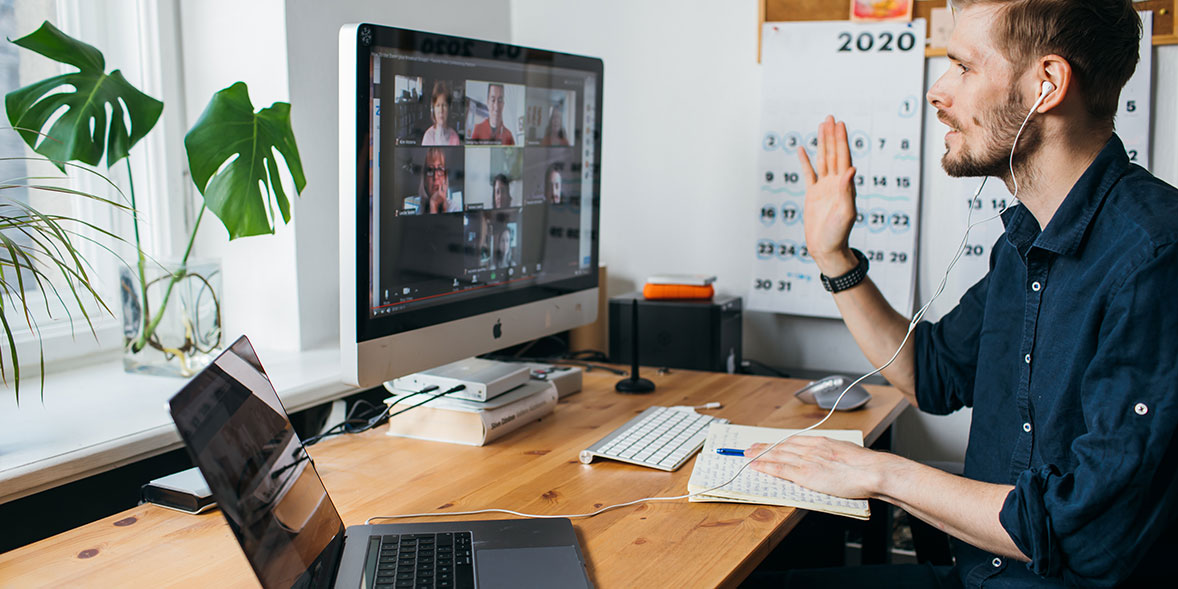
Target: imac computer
(469,197)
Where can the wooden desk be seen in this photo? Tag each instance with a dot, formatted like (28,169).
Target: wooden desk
(535,470)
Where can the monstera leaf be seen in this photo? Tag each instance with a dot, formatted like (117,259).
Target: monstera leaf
(231,157)
(82,132)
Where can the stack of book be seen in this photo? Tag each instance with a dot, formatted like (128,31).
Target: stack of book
(473,423)
(679,286)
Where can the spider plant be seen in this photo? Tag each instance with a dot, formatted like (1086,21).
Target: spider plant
(44,249)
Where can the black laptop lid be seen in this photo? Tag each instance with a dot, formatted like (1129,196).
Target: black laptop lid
(240,437)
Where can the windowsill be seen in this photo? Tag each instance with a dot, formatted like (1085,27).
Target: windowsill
(96,418)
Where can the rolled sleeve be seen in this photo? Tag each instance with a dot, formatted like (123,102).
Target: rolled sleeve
(1092,521)
(946,354)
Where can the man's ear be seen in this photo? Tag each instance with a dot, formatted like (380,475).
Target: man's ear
(1055,69)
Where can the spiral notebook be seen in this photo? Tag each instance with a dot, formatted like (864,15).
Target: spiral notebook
(712,469)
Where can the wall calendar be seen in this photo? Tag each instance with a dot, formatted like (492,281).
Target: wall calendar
(872,77)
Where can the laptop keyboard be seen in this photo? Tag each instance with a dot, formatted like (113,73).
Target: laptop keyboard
(423,561)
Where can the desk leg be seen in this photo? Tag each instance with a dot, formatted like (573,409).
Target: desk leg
(877,534)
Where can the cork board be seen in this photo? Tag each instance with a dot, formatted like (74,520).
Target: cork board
(807,10)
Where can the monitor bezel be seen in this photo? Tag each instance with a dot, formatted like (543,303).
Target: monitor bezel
(368,36)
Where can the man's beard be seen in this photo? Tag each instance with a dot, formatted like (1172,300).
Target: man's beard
(994,160)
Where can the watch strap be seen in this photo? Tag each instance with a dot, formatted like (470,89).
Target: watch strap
(848,280)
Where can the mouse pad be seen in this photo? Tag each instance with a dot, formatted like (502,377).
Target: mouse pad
(545,566)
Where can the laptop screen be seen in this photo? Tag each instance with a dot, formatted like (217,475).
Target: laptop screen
(240,437)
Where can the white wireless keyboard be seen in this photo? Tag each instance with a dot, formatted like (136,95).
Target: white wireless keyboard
(660,437)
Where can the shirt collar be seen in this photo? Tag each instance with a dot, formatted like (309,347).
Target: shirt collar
(1065,232)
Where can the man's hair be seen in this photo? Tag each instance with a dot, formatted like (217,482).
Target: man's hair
(501,178)
(499,86)
(1099,38)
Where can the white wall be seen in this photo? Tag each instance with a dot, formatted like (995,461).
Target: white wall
(224,41)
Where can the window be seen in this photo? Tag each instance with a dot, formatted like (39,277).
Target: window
(129,35)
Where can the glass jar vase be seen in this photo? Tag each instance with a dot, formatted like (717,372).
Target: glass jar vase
(173,326)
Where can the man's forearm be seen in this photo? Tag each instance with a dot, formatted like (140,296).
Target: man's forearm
(961,507)
(879,329)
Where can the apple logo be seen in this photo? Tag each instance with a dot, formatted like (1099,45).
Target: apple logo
(497,330)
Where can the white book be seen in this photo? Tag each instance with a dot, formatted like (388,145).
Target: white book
(474,424)
(688,279)
(712,469)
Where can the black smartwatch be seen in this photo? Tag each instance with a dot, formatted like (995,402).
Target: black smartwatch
(848,280)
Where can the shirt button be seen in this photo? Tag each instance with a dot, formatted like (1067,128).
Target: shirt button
(1027,427)
(1027,358)
(997,562)
(1035,286)
(1141,408)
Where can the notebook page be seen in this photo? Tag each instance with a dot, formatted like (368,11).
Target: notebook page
(712,469)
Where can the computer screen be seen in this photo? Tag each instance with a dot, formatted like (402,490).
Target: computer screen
(470,191)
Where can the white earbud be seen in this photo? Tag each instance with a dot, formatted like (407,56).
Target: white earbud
(1047,88)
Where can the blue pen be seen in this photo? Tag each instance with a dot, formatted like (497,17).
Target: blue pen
(729,451)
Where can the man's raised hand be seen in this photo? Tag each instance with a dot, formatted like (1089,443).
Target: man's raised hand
(830,199)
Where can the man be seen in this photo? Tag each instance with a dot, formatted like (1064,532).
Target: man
(553,184)
(1066,348)
(493,129)
(437,197)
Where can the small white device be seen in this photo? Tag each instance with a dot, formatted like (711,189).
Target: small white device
(484,379)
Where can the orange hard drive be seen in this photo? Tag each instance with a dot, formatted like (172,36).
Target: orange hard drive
(677,291)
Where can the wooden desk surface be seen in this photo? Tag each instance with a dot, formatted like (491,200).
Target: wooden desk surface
(534,470)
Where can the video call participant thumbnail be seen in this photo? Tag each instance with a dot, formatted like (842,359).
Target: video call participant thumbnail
(435,193)
(505,247)
(550,177)
(550,117)
(503,100)
(441,132)
(491,241)
(494,177)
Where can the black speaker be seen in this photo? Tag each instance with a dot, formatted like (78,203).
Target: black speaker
(696,335)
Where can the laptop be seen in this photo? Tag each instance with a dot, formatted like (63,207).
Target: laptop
(265,483)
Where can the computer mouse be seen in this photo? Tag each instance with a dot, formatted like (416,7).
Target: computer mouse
(824,392)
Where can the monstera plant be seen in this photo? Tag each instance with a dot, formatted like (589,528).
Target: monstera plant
(82,116)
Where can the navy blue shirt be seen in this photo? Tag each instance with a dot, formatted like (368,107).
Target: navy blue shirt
(1067,350)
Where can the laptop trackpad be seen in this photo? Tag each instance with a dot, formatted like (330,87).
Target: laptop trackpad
(545,566)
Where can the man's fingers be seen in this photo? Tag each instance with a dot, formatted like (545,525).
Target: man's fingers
(831,151)
(849,178)
(843,151)
(807,169)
